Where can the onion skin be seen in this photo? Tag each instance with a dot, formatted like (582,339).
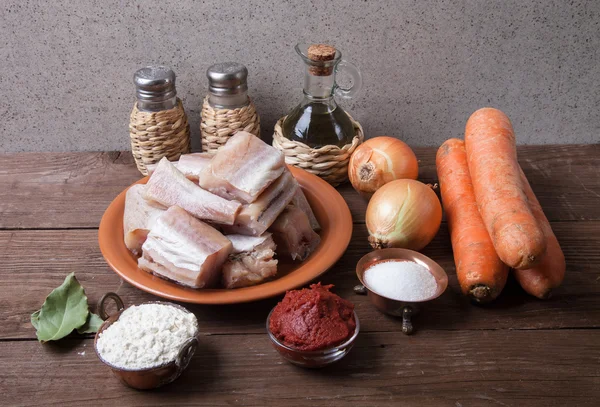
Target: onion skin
(404,213)
(378,161)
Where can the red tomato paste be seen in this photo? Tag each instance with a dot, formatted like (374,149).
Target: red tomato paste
(312,319)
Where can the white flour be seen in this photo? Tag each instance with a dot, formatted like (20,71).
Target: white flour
(146,336)
(401,280)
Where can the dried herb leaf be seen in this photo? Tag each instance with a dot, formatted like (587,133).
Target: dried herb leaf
(91,325)
(65,309)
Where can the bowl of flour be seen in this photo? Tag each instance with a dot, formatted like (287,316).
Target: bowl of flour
(148,345)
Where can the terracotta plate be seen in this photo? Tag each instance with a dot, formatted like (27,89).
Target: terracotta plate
(329,208)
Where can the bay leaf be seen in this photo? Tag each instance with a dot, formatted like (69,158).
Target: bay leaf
(92,324)
(34,319)
(65,309)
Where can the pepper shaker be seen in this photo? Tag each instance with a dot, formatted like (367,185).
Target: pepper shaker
(158,125)
(227,108)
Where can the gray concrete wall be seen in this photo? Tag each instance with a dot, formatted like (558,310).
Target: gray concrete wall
(67,66)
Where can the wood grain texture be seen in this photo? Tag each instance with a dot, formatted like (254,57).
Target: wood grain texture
(516,351)
(34,262)
(467,368)
(72,190)
(61,190)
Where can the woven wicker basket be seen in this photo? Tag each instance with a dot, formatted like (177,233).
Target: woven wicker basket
(218,125)
(328,162)
(155,135)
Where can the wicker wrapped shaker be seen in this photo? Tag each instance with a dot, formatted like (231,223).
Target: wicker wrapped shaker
(158,125)
(318,135)
(227,108)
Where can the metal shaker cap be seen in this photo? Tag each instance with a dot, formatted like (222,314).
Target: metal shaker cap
(227,78)
(154,83)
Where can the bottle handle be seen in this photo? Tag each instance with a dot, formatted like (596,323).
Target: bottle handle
(354,72)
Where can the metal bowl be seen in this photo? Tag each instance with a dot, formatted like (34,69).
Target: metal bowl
(399,308)
(155,376)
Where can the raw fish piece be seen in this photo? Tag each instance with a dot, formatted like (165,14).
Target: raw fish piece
(299,200)
(152,167)
(255,218)
(251,261)
(192,165)
(243,168)
(184,249)
(168,186)
(293,234)
(140,214)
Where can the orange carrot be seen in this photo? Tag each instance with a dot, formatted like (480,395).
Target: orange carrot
(480,272)
(499,190)
(541,279)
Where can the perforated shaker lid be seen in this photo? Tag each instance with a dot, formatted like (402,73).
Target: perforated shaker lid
(154,83)
(227,78)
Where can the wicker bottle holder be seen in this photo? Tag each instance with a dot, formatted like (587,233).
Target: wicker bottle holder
(155,135)
(218,125)
(328,162)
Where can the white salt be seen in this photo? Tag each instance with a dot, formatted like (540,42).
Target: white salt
(401,280)
(146,335)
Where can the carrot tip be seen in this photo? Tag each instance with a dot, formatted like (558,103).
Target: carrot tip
(481,293)
(545,295)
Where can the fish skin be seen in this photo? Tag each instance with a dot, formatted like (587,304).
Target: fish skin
(138,217)
(184,249)
(243,168)
(168,186)
(293,234)
(299,200)
(251,261)
(255,218)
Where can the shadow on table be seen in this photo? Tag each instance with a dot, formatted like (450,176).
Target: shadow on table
(200,375)
(362,359)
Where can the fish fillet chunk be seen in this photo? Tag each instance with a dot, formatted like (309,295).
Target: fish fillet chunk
(299,201)
(243,168)
(256,217)
(138,218)
(168,186)
(251,261)
(152,167)
(190,165)
(184,249)
(293,234)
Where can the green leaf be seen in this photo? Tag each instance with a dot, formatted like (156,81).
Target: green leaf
(65,309)
(91,325)
(35,319)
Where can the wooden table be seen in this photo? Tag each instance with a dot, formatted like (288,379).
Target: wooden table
(518,351)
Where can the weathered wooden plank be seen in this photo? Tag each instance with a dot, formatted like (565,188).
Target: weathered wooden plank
(61,190)
(34,262)
(469,368)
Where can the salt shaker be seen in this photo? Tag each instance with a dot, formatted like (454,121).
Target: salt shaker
(158,125)
(227,108)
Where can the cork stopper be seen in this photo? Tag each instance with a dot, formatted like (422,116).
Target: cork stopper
(321,52)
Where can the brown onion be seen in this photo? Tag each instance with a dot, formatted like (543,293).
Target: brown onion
(403,213)
(378,161)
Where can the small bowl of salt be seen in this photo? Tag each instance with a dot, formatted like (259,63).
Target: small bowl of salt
(147,345)
(399,281)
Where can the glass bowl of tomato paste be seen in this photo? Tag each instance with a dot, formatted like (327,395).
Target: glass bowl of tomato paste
(313,327)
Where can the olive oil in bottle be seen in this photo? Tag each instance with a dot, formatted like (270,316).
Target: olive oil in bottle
(318,121)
